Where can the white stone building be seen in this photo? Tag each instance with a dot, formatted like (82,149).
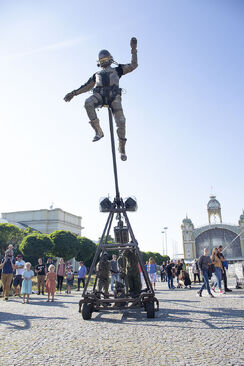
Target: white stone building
(44,220)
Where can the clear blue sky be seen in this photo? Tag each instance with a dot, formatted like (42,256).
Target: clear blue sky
(184,110)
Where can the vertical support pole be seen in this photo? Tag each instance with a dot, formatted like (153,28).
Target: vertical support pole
(113,153)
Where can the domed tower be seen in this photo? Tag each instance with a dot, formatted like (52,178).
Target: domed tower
(214,210)
(187,228)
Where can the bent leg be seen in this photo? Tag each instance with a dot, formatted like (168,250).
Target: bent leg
(119,116)
(91,103)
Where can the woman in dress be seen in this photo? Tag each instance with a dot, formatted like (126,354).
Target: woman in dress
(51,282)
(27,282)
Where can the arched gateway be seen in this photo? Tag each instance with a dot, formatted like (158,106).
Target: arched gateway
(213,235)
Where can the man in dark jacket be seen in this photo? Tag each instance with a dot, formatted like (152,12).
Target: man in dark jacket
(169,271)
(204,263)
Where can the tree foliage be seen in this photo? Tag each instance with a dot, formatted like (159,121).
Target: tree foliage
(9,234)
(65,244)
(159,259)
(34,246)
(87,249)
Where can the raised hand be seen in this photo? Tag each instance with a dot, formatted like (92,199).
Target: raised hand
(133,42)
(68,97)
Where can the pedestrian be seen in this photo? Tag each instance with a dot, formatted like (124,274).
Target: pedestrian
(81,275)
(146,265)
(196,271)
(114,270)
(20,268)
(224,265)
(8,267)
(60,274)
(204,263)
(183,264)
(216,261)
(162,272)
(49,262)
(169,271)
(184,279)
(69,277)
(51,282)
(9,253)
(27,282)
(178,269)
(41,271)
(152,271)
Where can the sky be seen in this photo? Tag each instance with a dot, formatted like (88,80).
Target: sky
(183,106)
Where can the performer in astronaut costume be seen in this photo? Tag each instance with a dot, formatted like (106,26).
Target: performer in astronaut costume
(106,91)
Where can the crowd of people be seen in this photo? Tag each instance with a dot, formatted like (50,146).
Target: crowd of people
(18,273)
(15,272)
(206,266)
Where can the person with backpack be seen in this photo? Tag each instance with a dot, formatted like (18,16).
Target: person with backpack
(204,263)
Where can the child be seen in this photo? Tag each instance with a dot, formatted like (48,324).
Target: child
(9,254)
(27,282)
(51,282)
(152,271)
(69,278)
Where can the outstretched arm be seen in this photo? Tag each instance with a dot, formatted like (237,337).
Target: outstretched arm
(83,89)
(124,69)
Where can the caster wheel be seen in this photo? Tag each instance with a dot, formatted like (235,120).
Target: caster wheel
(87,311)
(150,310)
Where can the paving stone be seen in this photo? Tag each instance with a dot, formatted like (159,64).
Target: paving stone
(186,331)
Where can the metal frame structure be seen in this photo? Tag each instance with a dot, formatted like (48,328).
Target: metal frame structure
(96,301)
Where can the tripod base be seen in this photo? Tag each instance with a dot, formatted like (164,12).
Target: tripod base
(121,298)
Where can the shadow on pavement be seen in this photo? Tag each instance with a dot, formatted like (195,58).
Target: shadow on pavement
(222,318)
(9,319)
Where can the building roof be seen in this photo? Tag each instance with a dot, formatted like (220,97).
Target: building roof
(213,204)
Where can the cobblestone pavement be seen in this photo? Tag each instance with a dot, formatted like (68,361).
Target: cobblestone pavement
(187,330)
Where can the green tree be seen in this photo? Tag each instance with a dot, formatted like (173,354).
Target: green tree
(29,230)
(34,246)
(10,234)
(159,259)
(65,244)
(87,249)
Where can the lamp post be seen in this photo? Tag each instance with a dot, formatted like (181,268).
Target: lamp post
(163,240)
(166,247)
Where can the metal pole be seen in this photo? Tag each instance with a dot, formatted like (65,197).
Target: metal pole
(113,153)
(163,241)
(166,244)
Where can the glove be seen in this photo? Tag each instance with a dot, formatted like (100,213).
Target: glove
(68,97)
(133,43)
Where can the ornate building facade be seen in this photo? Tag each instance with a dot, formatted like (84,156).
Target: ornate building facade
(214,234)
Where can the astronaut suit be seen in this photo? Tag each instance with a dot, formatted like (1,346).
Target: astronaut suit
(106,91)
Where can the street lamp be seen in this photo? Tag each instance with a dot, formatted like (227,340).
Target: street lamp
(163,241)
(165,228)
